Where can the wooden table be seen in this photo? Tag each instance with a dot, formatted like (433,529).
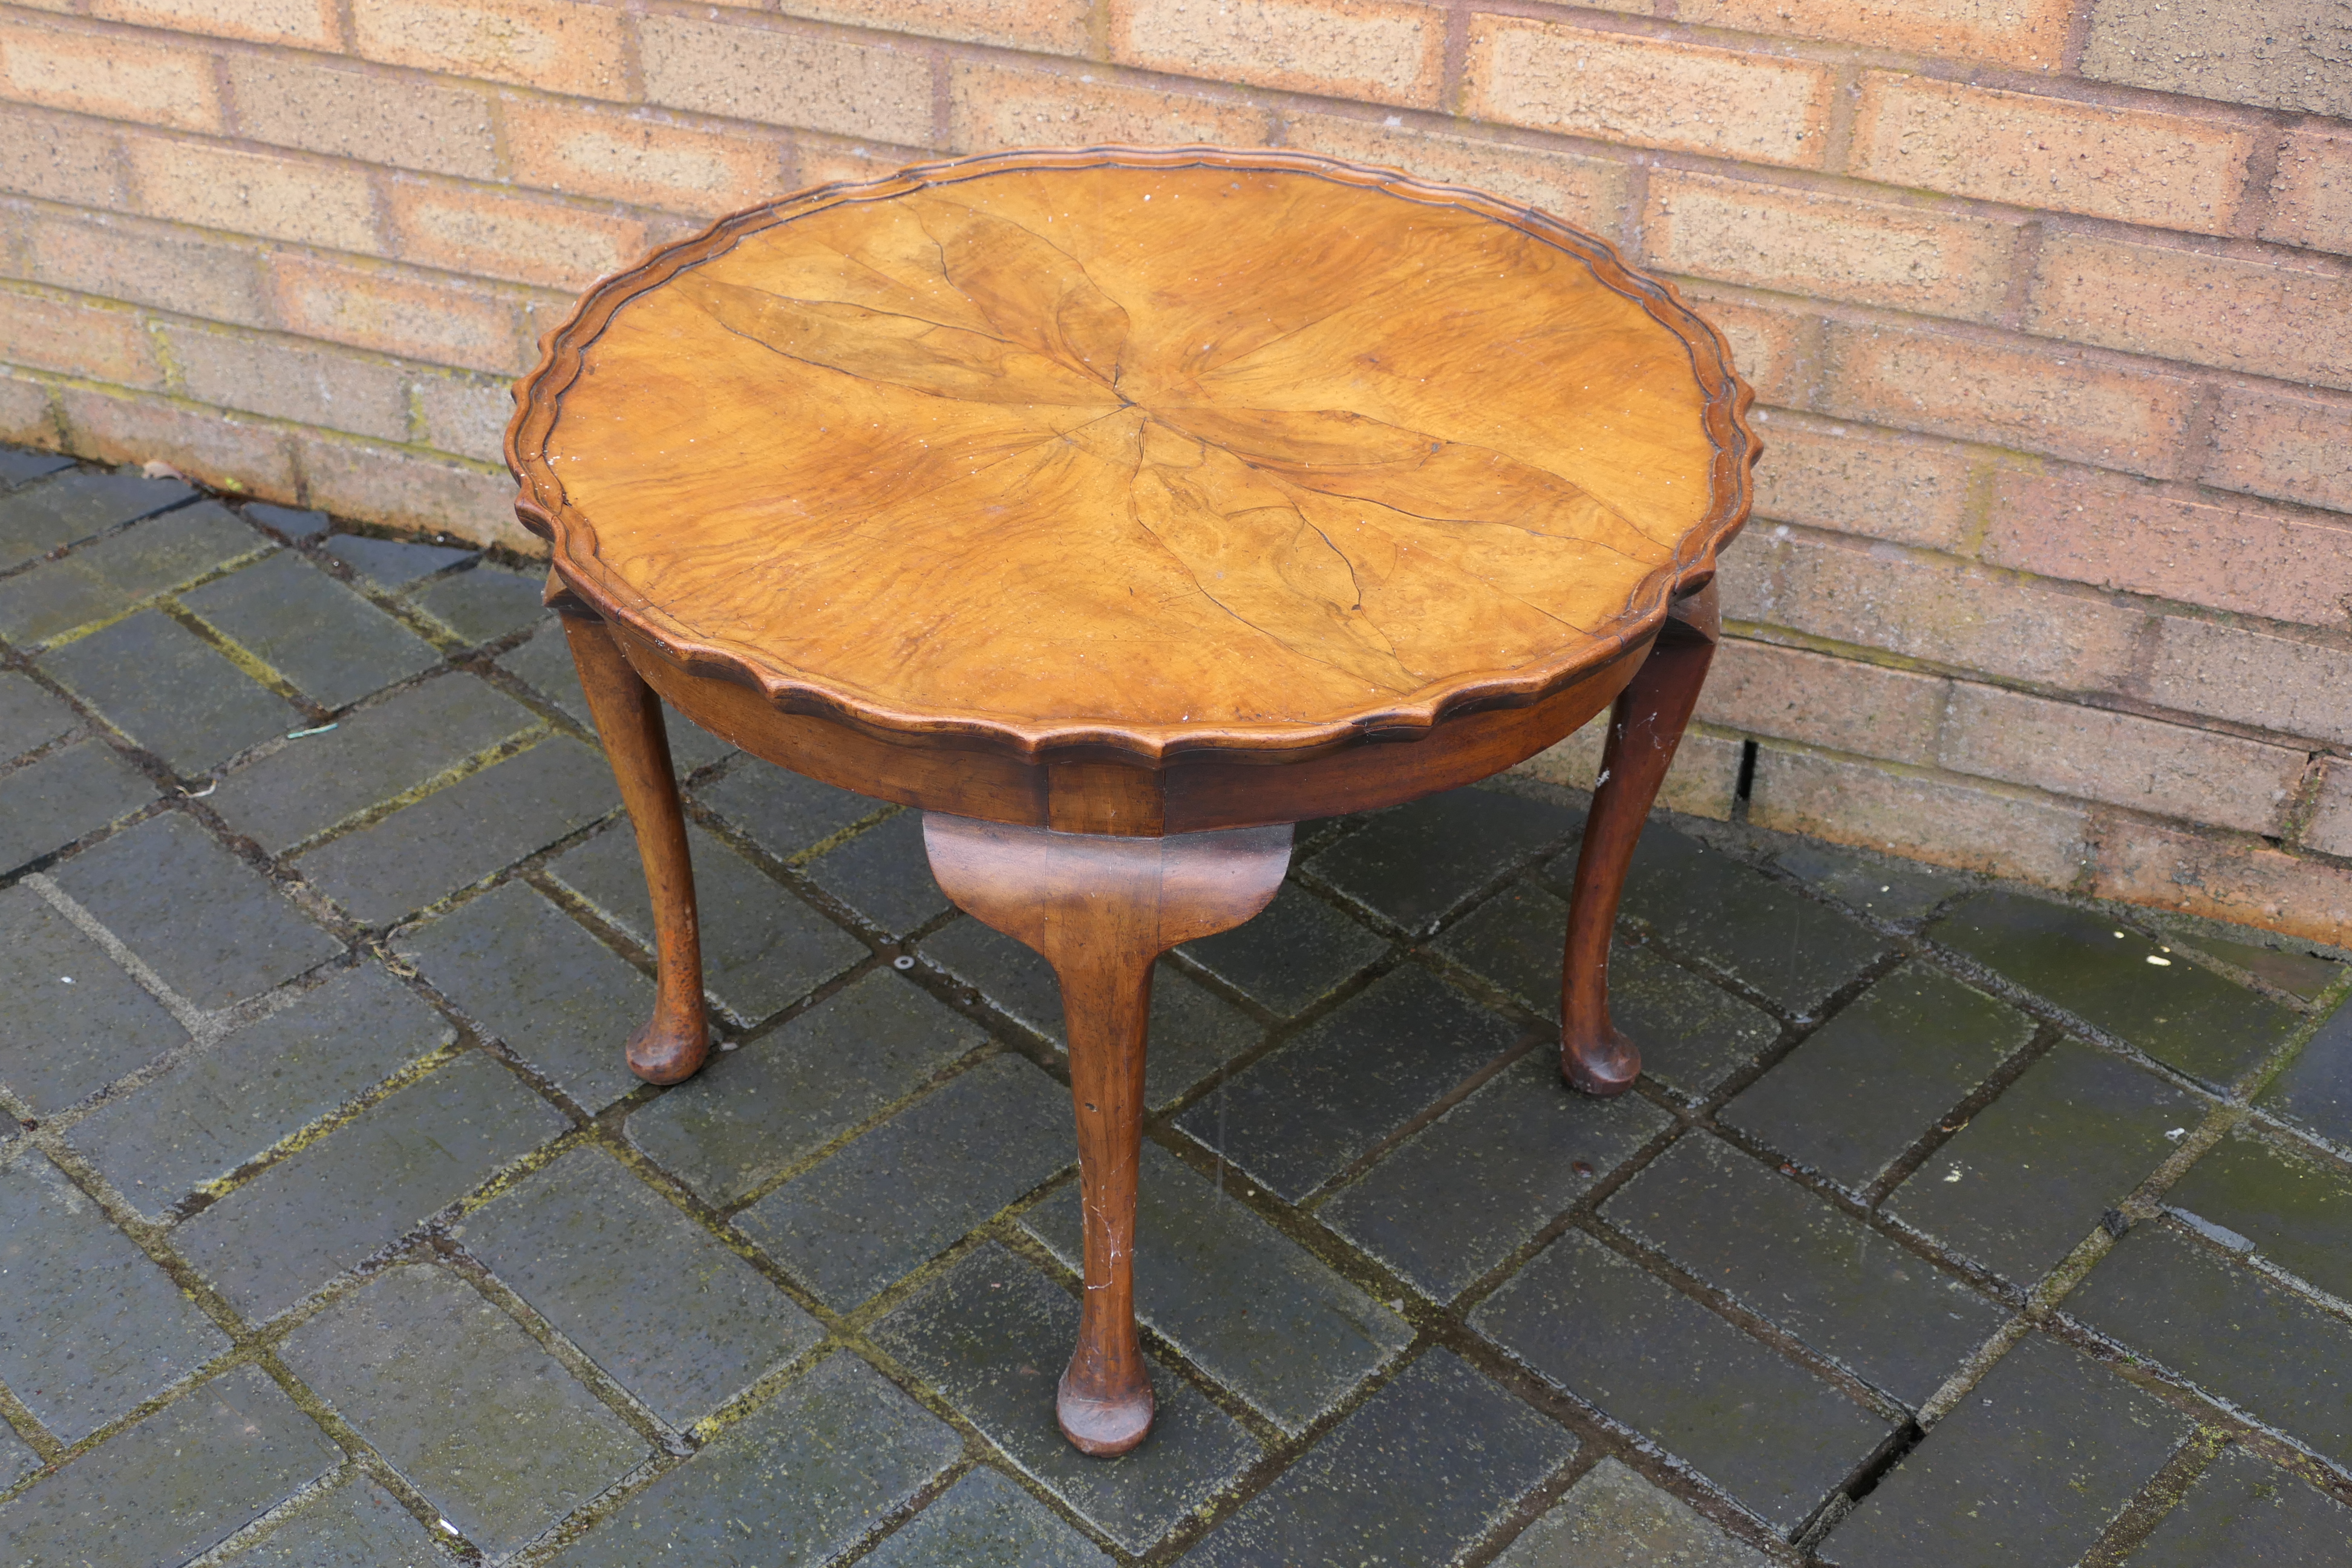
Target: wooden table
(1119,509)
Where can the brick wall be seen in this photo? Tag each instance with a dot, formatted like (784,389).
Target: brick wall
(2048,302)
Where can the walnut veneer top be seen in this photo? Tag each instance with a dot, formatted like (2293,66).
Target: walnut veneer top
(1161,449)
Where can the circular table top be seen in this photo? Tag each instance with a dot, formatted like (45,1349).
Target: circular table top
(1163,449)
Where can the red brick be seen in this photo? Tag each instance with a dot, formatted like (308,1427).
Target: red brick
(1801,242)
(27,417)
(2165,769)
(310,24)
(465,417)
(2293,687)
(1768,346)
(2289,449)
(1050,26)
(2228,878)
(1702,781)
(218,449)
(2172,170)
(305,200)
(2118,534)
(502,233)
(993,105)
(2210,309)
(1931,610)
(405,122)
(1856,479)
(1923,817)
(441,321)
(397,489)
(2281,53)
(782,77)
(636,158)
(1843,704)
(2329,831)
(1649,92)
(64,159)
(2030,34)
(288,378)
(149,264)
(110,76)
(2036,400)
(2311,195)
(556,45)
(1385,51)
(1587,192)
(75,338)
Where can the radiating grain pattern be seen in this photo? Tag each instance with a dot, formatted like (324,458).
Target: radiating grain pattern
(1163,449)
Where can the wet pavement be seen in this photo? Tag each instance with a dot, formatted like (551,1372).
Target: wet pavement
(1950,1225)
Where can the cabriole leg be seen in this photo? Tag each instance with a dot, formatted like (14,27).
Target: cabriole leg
(673,1042)
(1100,909)
(1644,728)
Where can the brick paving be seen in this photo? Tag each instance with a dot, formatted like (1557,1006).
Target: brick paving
(1950,1225)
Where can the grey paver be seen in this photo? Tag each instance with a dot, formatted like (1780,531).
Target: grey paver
(333,644)
(2285,1360)
(783,812)
(1692,1033)
(1899,890)
(1861,1090)
(2244,1511)
(797,1482)
(292,523)
(74,1022)
(369,757)
(986,1522)
(1418,863)
(1461,1194)
(1295,951)
(30,716)
(897,1195)
(664,1308)
(1235,1297)
(19,466)
(485,603)
(1426,1467)
(332,1203)
(1192,1034)
(2292,1203)
(463,1404)
(758,1111)
(883,874)
(17,1460)
(392,563)
(2025,1181)
(1612,1518)
(1296,1118)
(1885,1313)
(2276,959)
(89,1325)
(38,518)
(356,1525)
(543,662)
(202,1468)
(1794,951)
(2029,1467)
(2184,1015)
(142,884)
(48,803)
(109,576)
(1766,1431)
(992,1335)
(762,948)
(529,975)
(2315,1090)
(456,836)
(171,691)
(212,1112)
